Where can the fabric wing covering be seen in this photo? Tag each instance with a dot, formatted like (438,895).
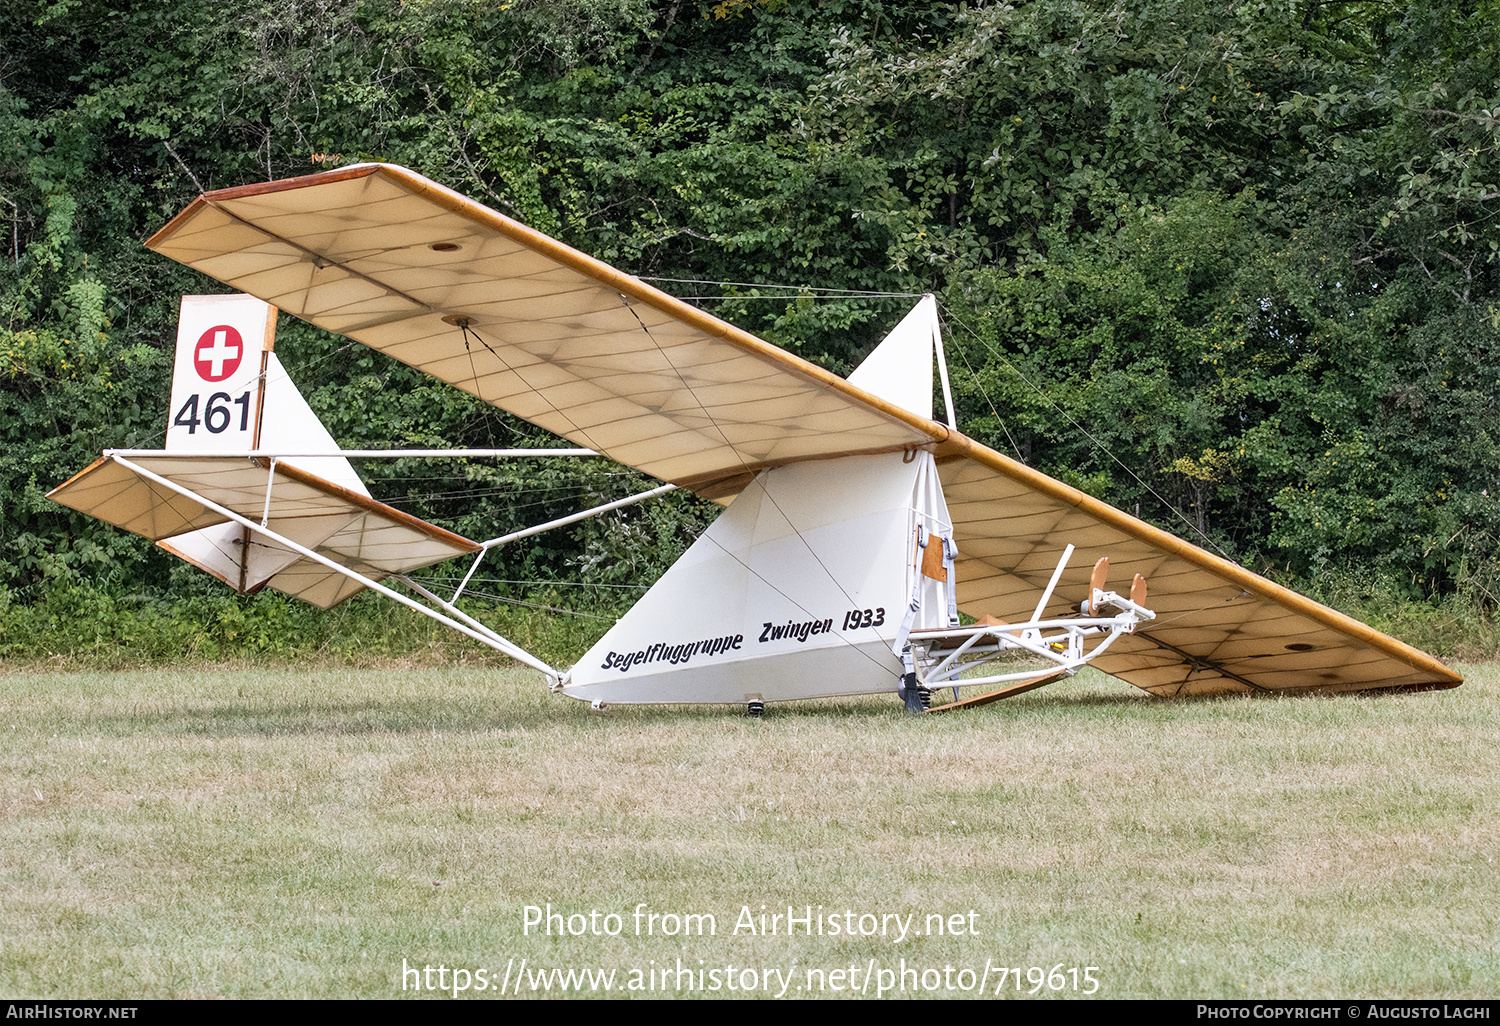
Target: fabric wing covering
(437,281)
(351,529)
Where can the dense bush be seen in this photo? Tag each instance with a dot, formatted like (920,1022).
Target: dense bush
(1231,266)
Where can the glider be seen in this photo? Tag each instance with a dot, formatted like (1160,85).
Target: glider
(860,531)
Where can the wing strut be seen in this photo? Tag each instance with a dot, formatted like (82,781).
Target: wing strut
(527,532)
(573,518)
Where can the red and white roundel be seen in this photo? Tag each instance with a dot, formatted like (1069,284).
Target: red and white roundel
(218,352)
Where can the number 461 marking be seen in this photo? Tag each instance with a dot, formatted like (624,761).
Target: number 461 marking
(216,413)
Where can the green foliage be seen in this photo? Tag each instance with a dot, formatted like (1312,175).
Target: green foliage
(1250,249)
(1125,369)
(82,625)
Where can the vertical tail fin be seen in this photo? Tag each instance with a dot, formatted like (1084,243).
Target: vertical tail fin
(231,394)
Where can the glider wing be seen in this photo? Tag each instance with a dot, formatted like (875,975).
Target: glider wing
(1219,628)
(439,282)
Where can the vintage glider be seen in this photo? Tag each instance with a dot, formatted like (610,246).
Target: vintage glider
(857,529)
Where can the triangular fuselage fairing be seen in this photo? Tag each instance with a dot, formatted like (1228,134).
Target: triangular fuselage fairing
(801,587)
(798,590)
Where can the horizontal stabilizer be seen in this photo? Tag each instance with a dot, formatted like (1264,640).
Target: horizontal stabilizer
(343,525)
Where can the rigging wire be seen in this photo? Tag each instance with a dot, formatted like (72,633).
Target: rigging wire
(530,605)
(1083,431)
(789,297)
(463,324)
(474,372)
(559,584)
(840,293)
(475,493)
(979,383)
(764,491)
(398,500)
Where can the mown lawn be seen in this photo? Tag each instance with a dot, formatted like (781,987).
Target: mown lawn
(240,832)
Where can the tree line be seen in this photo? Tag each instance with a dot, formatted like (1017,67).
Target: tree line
(1230,266)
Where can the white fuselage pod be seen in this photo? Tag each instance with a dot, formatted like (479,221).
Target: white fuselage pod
(796,591)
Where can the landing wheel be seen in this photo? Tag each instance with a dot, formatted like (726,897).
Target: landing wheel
(755,710)
(917,698)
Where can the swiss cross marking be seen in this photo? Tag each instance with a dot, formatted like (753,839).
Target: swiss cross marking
(218,353)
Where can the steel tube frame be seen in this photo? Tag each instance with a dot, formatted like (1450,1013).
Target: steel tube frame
(575,517)
(942,671)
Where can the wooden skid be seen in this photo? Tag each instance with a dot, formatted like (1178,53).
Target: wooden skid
(1020,687)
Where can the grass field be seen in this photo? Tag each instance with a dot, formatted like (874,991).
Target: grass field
(210,831)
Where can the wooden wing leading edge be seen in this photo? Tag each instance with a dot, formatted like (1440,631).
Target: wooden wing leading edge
(406,266)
